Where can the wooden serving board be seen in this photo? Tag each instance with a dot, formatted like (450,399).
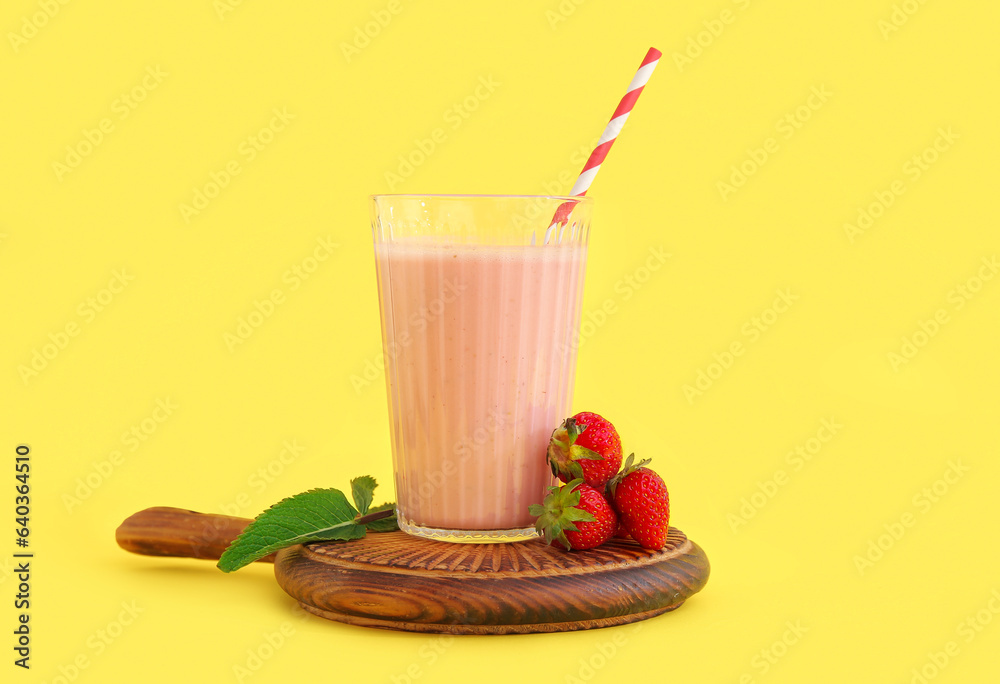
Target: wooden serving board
(393,580)
(396,581)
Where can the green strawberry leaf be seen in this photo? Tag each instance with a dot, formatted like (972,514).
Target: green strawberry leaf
(573,430)
(577,452)
(362,490)
(315,515)
(557,513)
(575,470)
(627,468)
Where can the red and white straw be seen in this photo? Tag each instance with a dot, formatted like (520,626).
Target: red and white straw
(608,137)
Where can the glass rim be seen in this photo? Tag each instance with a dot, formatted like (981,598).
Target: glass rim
(404,195)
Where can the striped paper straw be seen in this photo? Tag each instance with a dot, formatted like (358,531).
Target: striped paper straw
(608,138)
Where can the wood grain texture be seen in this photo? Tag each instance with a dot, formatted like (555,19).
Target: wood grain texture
(396,581)
(166,531)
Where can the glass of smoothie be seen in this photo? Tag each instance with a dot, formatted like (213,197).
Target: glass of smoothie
(480,301)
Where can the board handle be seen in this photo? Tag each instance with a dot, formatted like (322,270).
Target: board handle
(166,531)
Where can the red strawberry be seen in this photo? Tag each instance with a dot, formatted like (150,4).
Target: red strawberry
(575,514)
(585,446)
(621,532)
(643,505)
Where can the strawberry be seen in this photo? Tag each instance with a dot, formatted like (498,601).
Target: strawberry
(585,446)
(575,514)
(621,532)
(640,497)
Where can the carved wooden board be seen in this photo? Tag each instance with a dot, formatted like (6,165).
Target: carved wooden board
(393,580)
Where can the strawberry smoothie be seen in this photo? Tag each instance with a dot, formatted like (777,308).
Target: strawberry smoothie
(478,343)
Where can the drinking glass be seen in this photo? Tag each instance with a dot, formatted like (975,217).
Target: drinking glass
(480,304)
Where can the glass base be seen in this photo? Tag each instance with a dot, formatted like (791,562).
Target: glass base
(468,536)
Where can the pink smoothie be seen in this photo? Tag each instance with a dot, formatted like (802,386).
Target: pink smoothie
(478,342)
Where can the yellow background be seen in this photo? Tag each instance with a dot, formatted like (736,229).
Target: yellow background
(558,70)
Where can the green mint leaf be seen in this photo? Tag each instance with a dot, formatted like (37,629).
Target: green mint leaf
(362,490)
(315,515)
(384,524)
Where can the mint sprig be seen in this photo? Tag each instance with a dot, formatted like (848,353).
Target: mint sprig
(314,515)
(382,523)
